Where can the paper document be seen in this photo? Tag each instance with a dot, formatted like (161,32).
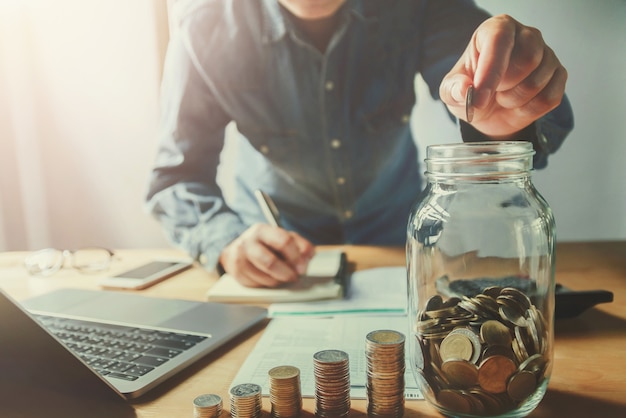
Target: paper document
(379,291)
(320,282)
(294,341)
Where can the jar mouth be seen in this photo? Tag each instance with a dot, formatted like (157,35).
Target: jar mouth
(478,159)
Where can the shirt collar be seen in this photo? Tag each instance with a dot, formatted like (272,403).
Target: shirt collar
(274,26)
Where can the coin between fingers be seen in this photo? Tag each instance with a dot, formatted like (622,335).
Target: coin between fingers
(469,104)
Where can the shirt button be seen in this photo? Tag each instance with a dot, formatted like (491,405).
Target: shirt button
(264,149)
(348,214)
(335,143)
(329,85)
(341,180)
(406,118)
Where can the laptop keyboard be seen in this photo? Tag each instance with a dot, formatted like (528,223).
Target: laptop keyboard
(119,351)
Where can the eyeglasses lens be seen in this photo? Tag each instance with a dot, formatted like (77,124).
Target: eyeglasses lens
(90,260)
(44,262)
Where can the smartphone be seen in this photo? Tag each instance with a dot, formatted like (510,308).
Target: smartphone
(145,275)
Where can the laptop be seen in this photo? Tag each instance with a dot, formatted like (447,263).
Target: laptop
(132,342)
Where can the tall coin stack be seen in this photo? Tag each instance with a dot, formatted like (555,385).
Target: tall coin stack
(384,353)
(246,401)
(285,393)
(331,369)
(207,406)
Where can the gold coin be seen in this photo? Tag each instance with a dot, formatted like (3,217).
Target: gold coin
(474,339)
(499,350)
(434,303)
(460,373)
(496,333)
(453,400)
(456,346)
(535,364)
(385,337)
(521,385)
(284,372)
(494,373)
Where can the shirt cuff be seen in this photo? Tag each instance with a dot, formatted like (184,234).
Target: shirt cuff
(223,232)
(546,133)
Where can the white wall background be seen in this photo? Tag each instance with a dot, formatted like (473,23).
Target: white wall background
(79,104)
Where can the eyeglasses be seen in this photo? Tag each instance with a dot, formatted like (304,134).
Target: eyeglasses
(50,260)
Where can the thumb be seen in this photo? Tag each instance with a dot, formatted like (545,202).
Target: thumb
(453,89)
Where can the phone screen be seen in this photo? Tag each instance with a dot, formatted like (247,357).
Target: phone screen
(147,270)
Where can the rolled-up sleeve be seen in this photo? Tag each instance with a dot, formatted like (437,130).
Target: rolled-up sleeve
(183,194)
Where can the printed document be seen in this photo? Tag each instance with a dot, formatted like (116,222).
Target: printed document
(293,341)
(376,291)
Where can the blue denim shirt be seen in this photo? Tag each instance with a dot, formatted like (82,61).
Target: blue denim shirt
(327,135)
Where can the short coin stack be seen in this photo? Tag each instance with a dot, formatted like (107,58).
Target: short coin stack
(482,355)
(384,353)
(332,383)
(245,401)
(285,393)
(207,406)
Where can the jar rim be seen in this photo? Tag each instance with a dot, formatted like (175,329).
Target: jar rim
(470,160)
(480,150)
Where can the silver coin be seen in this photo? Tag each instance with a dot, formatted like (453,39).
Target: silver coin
(207,400)
(245,390)
(331,356)
(469,104)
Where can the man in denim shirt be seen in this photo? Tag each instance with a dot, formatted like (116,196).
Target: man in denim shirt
(320,92)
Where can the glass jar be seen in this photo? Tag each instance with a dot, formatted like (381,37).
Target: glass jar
(480,264)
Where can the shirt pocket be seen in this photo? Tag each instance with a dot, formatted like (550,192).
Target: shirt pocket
(280,147)
(389,116)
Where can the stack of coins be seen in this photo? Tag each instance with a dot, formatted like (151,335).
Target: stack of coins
(245,401)
(207,406)
(285,393)
(482,355)
(331,369)
(384,354)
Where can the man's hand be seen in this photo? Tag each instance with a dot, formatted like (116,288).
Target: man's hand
(267,256)
(517,78)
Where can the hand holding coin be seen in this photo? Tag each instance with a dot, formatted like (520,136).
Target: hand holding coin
(506,79)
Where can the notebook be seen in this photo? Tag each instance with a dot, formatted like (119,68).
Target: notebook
(325,278)
(163,337)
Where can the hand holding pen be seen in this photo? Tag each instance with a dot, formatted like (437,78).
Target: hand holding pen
(266,255)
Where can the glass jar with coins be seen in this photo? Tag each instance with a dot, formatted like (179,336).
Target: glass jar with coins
(480,264)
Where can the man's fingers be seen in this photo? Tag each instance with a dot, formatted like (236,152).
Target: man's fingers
(254,277)
(286,245)
(527,55)
(516,77)
(493,42)
(546,100)
(270,260)
(526,90)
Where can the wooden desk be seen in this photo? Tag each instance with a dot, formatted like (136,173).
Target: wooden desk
(588,379)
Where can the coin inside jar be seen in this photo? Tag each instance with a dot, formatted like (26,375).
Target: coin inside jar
(495,333)
(521,385)
(460,373)
(456,346)
(494,373)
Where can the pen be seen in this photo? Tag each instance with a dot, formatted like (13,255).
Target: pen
(268,207)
